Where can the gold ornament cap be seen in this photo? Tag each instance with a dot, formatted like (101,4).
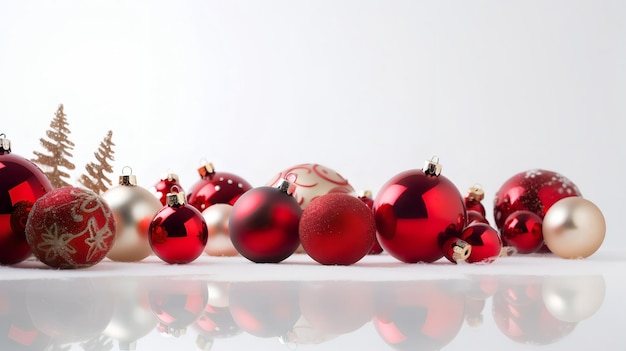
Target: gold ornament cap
(432,167)
(476,193)
(286,185)
(5,144)
(128,179)
(172,177)
(206,169)
(365,193)
(461,250)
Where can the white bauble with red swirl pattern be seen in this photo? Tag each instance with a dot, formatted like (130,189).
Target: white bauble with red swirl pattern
(313,180)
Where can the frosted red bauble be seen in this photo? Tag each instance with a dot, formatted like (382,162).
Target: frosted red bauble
(485,241)
(337,229)
(263,225)
(21,184)
(70,227)
(534,190)
(415,213)
(523,231)
(216,188)
(178,234)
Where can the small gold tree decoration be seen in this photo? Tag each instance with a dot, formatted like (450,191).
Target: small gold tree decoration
(58,146)
(95,179)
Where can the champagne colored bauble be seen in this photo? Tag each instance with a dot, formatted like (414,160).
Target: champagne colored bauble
(219,243)
(313,180)
(574,228)
(133,208)
(573,298)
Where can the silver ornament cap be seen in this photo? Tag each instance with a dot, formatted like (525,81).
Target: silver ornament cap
(5,144)
(175,199)
(286,184)
(432,167)
(128,179)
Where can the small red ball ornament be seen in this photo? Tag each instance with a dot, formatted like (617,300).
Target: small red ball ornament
(70,227)
(416,212)
(473,200)
(21,184)
(178,233)
(164,185)
(535,191)
(522,230)
(475,217)
(264,223)
(485,241)
(366,197)
(337,229)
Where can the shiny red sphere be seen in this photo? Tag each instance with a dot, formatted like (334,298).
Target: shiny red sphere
(216,188)
(178,304)
(178,234)
(415,213)
(474,205)
(263,225)
(485,241)
(376,248)
(21,184)
(475,217)
(535,191)
(337,229)
(523,231)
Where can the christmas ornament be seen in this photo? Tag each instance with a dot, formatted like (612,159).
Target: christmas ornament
(313,180)
(264,223)
(95,179)
(70,227)
(455,249)
(165,185)
(534,190)
(573,298)
(366,197)
(485,241)
(17,331)
(177,304)
(216,321)
(21,184)
(574,228)
(133,208)
(178,233)
(522,230)
(217,188)
(479,290)
(473,200)
(416,212)
(475,217)
(303,333)
(337,229)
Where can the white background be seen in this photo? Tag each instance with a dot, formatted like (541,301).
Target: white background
(367,88)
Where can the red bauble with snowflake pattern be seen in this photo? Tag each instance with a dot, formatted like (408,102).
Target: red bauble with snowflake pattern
(70,227)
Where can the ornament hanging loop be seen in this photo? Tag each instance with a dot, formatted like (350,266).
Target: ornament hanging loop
(5,144)
(432,167)
(128,179)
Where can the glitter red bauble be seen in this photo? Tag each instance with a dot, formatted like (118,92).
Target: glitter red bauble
(535,191)
(485,241)
(415,213)
(263,225)
(21,184)
(70,227)
(337,229)
(523,231)
(178,234)
(367,199)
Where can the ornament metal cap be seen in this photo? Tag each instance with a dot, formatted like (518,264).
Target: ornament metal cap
(207,169)
(365,193)
(5,144)
(461,250)
(175,199)
(476,193)
(128,179)
(286,184)
(432,167)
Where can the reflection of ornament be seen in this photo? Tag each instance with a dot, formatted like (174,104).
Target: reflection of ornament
(366,197)
(165,185)
(265,309)
(416,211)
(574,228)
(17,331)
(479,290)
(216,218)
(522,230)
(337,229)
(133,208)
(177,304)
(70,228)
(534,190)
(21,184)
(178,233)
(216,322)
(573,298)
(485,241)
(264,223)
(313,180)
(473,200)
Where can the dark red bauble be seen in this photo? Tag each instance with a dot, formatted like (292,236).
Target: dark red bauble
(523,231)
(263,225)
(178,304)
(178,233)
(415,213)
(21,184)
(337,229)
(535,191)
(485,241)
(475,217)
(165,186)
(366,197)
(70,227)
(216,188)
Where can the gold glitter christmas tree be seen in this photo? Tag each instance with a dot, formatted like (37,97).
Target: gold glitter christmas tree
(96,179)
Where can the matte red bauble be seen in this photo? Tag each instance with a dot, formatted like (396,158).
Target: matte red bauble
(366,197)
(21,184)
(178,233)
(337,229)
(264,224)
(416,212)
(535,191)
(485,241)
(523,231)
(70,227)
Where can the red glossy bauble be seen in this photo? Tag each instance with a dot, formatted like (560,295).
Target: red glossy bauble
(216,188)
(366,197)
(17,331)
(475,217)
(216,320)
(177,304)
(165,186)
(178,232)
(70,227)
(522,230)
(535,191)
(21,184)
(473,200)
(485,241)
(264,225)
(337,229)
(415,212)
